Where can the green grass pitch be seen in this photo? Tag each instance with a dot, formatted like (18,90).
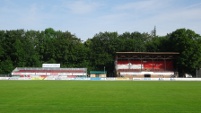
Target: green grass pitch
(100,97)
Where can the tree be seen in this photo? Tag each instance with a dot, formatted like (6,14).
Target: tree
(32,48)
(31,42)
(102,51)
(187,43)
(158,44)
(134,41)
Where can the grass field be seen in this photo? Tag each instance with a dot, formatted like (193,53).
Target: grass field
(99,97)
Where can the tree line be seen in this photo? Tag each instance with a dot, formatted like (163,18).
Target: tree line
(21,48)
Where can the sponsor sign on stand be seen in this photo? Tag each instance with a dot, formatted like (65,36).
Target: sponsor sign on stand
(82,78)
(72,73)
(14,78)
(49,78)
(4,78)
(147,78)
(37,78)
(138,78)
(51,65)
(155,79)
(122,78)
(103,79)
(111,78)
(70,78)
(24,78)
(171,79)
(95,78)
(137,66)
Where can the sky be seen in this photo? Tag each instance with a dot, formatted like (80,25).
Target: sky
(85,18)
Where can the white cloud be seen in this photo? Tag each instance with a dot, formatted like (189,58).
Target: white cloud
(165,15)
(85,18)
(143,5)
(82,7)
(177,15)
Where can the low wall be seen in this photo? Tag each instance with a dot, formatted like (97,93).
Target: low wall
(103,79)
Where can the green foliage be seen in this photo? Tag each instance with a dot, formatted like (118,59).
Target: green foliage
(187,43)
(102,51)
(158,44)
(6,66)
(133,42)
(20,48)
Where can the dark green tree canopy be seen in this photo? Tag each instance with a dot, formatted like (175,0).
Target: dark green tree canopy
(20,48)
(187,43)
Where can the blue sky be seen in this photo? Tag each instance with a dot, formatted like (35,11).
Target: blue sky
(85,18)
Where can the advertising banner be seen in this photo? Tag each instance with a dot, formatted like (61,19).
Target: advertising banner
(51,65)
(112,78)
(122,78)
(95,78)
(4,78)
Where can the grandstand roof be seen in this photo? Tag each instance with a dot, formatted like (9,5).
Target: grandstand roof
(146,55)
(151,53)
(98,72)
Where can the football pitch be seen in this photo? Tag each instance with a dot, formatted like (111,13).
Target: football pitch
(100,97)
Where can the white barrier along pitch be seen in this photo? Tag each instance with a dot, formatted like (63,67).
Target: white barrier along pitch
(103,79)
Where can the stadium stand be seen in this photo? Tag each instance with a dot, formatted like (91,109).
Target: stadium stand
(145,64)
(43,73)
